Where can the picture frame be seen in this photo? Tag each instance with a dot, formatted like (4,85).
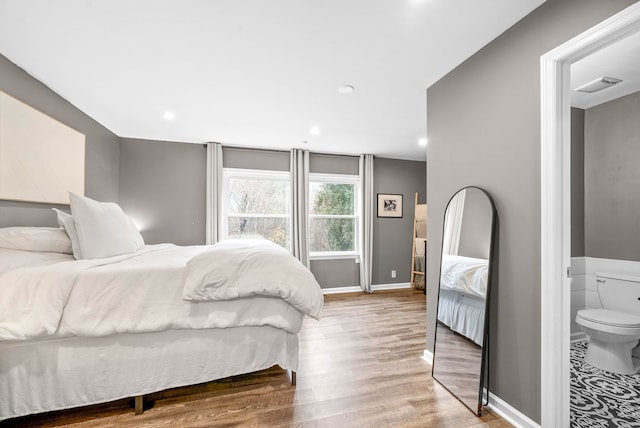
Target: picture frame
(389,205)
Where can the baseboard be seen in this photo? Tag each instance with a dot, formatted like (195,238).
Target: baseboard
(336,290)
(509,413)
(396,286)
(428,356)
(496,404)
(375,287)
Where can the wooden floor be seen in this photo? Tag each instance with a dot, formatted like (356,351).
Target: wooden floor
(360,366)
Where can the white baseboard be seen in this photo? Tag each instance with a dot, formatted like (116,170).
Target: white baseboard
(509,413)
(396,286)
(375,287)
(497,405)
(428,356)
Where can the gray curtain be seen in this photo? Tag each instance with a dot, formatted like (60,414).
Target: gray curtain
(214,218)
(299,169)
(453,224)
(366,222)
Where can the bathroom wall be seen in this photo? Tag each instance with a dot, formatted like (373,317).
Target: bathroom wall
(578,283)
(577,182)
(612,179)
(605,200)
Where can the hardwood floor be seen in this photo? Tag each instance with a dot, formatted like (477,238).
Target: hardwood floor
(457,365)
(360,366)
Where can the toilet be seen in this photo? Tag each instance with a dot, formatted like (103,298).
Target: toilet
(614,330)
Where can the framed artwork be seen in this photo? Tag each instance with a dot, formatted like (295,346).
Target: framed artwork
(41,160)
(389,205)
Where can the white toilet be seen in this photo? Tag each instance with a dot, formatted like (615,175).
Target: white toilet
(614,330)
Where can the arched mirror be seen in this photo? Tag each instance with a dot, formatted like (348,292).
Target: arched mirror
(461,341)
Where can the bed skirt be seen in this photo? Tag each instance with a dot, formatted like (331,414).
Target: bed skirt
(463,314)
(55,374)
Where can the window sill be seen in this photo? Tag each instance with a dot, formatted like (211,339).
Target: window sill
(334,256)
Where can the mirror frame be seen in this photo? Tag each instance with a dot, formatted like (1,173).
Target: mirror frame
(484,364)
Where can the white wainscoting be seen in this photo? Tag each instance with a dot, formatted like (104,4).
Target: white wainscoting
(584,290)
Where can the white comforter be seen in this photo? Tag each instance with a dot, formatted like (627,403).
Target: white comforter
(140,292)
(464,274)
(247,267)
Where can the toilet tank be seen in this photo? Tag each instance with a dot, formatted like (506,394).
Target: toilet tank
(619,292)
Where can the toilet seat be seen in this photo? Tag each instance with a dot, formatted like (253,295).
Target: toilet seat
(609,321)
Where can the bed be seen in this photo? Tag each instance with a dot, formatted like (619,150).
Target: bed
(463,288)
(75,332)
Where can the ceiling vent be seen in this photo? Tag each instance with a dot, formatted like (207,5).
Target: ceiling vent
(599,84)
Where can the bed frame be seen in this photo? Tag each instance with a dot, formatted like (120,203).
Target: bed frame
(61,373)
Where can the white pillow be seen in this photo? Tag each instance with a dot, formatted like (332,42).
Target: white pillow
(65,221)
(103,228)
(44,239)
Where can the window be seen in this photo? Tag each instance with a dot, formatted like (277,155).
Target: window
(333,215)
(257,204)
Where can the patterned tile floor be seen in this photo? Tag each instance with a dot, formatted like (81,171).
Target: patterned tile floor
(602,399)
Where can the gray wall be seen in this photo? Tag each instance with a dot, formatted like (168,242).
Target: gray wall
(336,273)
(577,183)
(101,149)
(275,160)
(475,233)
(483,126)
(392,237)
(162,188)
(612,179)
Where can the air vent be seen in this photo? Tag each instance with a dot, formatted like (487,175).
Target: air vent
(599,84)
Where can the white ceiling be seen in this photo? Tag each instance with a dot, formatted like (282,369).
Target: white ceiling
(620,60)
(254,73)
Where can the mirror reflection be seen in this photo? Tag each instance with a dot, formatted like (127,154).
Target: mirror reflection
(462,318)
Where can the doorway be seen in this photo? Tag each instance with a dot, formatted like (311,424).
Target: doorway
(556,210)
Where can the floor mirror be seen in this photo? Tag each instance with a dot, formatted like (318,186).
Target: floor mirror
(460,356)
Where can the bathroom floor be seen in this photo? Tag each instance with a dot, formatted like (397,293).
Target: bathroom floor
(599,398)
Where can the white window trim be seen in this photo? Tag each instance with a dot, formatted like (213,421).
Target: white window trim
(339,179)
(335,255)
(251,174)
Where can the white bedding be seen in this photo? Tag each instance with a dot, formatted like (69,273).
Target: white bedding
(464,274)
(133,293)
(248,267)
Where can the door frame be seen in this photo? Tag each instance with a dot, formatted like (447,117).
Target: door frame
(555,87)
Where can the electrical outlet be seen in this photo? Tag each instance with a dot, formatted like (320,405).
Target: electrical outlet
(393,273)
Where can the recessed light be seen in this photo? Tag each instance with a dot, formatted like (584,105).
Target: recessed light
(346,89)
(422,141)
(314,130)
(304,142)
(169,115)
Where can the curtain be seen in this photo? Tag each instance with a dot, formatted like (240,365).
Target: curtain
(214,218)
(453,224)
(299,169)
(366,223)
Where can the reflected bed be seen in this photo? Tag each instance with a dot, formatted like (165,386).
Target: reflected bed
(463,288)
